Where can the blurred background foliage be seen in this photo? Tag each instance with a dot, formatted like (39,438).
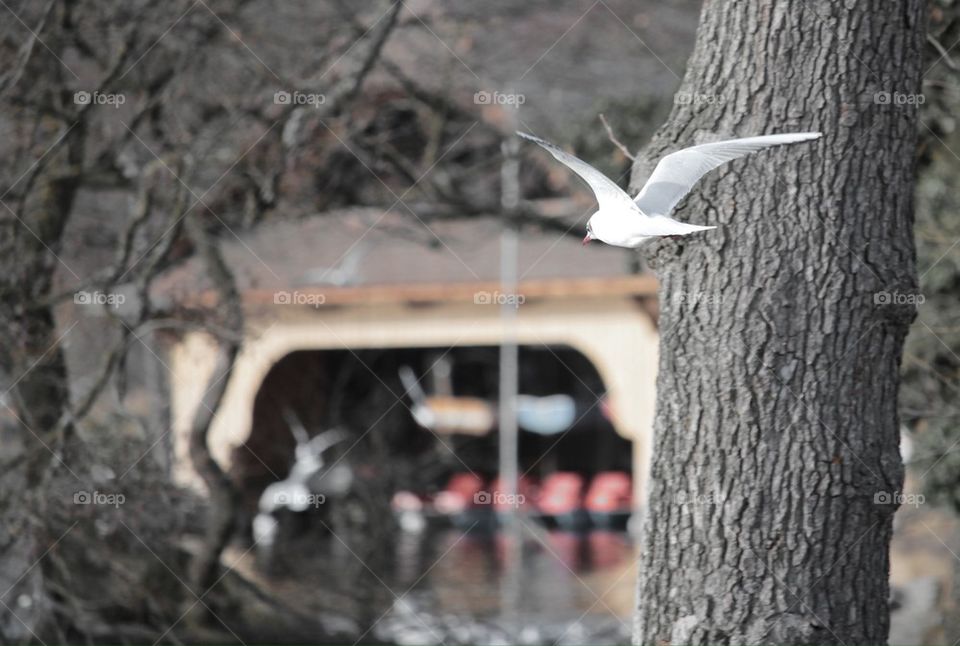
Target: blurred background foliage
(930,396)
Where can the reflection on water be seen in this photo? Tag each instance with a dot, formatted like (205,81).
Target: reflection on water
(524,585)
(475,566)
(528,585)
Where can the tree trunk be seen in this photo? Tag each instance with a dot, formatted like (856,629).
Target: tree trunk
(34,389)
(224,497)
(776,434)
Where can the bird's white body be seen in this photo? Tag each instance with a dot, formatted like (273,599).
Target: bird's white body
(631,228)
(623,221)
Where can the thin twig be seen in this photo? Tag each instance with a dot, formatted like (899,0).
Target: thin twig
(615,141)
(944,53)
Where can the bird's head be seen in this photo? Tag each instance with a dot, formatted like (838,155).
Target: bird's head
(590,236)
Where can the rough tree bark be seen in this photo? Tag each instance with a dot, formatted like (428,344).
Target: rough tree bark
(224,497)
(776,433)
(33,376)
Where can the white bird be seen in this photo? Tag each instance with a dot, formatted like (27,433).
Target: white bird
(625,222)
(345,273)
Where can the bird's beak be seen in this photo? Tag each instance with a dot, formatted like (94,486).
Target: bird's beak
(586,240)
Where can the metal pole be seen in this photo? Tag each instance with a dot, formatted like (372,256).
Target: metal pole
(509,369)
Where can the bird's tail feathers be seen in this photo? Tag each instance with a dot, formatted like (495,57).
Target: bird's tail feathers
(682,229)
(696,227)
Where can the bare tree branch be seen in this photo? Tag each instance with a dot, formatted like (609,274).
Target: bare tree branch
(615,141)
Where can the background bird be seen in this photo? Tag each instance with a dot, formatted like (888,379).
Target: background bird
(623,221)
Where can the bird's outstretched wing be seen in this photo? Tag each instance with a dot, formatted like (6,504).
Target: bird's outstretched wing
(677,173)
(605,189)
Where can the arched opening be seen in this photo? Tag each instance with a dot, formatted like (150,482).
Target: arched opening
(361,392)
(357,539)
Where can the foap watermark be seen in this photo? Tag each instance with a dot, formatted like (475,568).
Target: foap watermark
(898,98)
(107,299)
(299,499)
(499,98)
(698,297)
(299,298)
(898,298)
(98,498)
(315,99)
(82,97)
(697,98)
(498,298)
(696,499)
(499,498)
(898,498)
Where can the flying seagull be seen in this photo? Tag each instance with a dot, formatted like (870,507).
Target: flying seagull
(625,222)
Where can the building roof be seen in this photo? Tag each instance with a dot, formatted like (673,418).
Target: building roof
(355,254)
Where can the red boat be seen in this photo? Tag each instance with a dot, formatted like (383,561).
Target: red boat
(501,501)
(459,495)
(609,500)
(561,500)
(457,503)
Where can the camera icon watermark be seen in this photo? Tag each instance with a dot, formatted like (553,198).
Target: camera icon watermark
(298,298)
(299,500)
(499,98)
(98,498)
(697,98)
(107,299)
(897,298)
(283,97)
(698,297)
(898,98)
(82,97)
(499,498)
(898,498)
(699,499)
(498,298)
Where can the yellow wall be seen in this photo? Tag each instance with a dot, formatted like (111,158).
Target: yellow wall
(613,332)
